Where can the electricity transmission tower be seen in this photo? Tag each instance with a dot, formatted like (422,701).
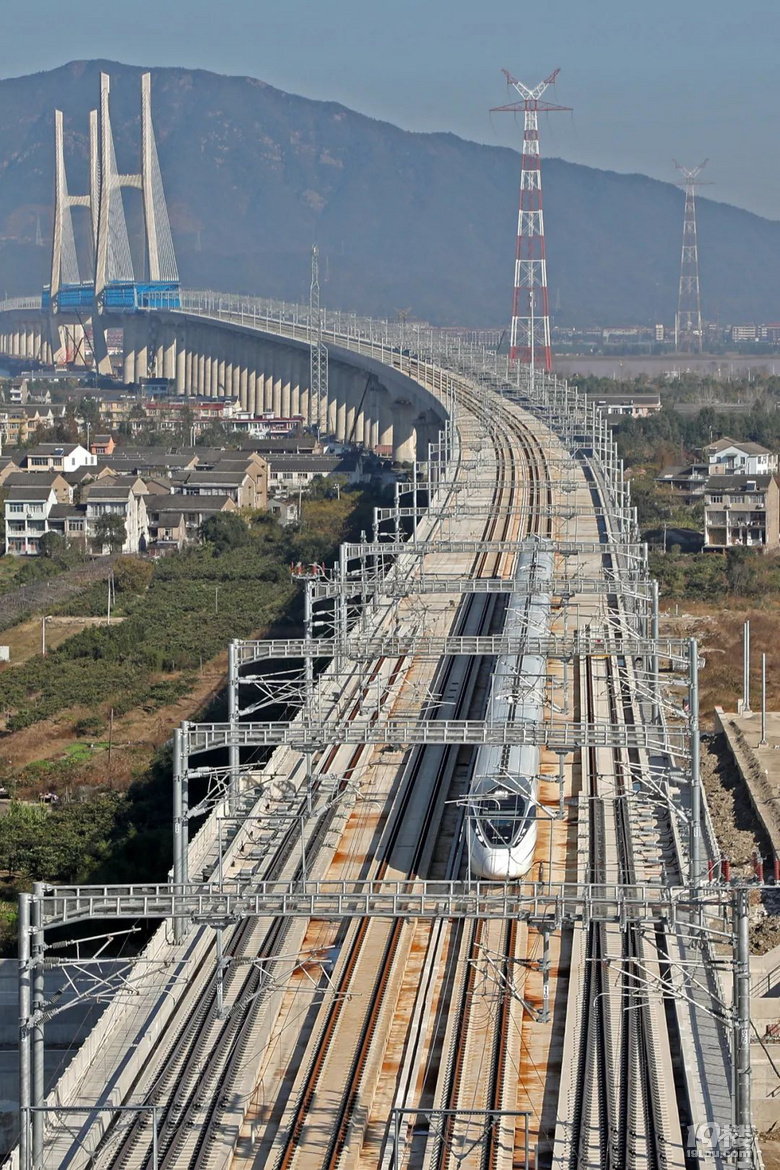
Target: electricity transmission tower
(688,333)
(530,335)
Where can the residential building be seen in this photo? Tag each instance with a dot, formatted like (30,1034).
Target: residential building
(150,460)
(14,426)
(167,530)
(246,486)
(124,498)
(17,392)
(8,466)
(296,443)
(27,509)
(292,472)
(59,457)
(52,479)
(628,405)
(164,513)
(102,445)
(82,476)
(69,521)
(285,510)
(737,457)
(689,479)
(741,510)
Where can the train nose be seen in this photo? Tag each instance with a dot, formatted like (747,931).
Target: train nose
(493,864)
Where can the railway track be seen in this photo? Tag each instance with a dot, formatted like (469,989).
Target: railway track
(298,1142)
(622,1107)
(180,1083)
(422,1016)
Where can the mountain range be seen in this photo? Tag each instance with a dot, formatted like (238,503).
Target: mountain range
(427,222)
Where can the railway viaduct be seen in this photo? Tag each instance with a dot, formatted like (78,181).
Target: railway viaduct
(329,985)
(219,356)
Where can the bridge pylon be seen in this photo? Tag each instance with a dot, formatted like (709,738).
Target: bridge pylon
(66,289)
(112,286)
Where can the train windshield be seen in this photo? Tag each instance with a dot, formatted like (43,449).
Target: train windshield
(503,817)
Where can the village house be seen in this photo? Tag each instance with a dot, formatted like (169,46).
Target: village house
(737,457)
(742,510)
(59,457)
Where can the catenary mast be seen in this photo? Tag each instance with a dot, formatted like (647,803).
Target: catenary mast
(530,334)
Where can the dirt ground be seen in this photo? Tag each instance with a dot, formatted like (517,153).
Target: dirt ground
(770,1148)
(719,632)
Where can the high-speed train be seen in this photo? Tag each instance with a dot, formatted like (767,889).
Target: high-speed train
(503,794)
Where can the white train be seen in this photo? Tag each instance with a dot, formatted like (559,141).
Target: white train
(504,788)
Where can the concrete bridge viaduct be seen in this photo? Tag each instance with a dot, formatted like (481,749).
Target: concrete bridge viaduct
(368,403)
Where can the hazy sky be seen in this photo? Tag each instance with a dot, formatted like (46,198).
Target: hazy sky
(649,82)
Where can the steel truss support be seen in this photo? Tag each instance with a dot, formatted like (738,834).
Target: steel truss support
(538,903)
(436,545)
(389,585)
(313,735)
(575,645)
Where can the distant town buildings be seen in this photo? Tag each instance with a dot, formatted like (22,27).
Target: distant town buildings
(638,340)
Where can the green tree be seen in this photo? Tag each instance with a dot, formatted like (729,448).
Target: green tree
(223,531)
(90,412)
(109,530)
(132,575)
(53,546)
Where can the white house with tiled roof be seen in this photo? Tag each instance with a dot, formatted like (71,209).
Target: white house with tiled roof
(739,457)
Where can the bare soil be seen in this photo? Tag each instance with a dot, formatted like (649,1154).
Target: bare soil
(719,632)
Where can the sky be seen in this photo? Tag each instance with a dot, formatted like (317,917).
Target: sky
(647,82)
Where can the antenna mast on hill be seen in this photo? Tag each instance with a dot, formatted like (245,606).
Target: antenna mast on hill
(688,332)
(530,336)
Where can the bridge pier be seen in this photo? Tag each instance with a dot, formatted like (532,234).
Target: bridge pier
(169,355)
(404,433)
(200,367)
(181,365)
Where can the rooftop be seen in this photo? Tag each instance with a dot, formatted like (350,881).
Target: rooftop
(29,493)
(740,444)
(54,448)
(735,483)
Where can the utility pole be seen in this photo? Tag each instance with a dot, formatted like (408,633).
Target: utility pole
(693,718)
(180,828)
(741,1035)
(530,333)
(688,332)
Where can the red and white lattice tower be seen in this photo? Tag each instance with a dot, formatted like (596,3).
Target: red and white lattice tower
(530,335)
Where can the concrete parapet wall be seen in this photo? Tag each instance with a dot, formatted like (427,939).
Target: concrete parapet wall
(763,792)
